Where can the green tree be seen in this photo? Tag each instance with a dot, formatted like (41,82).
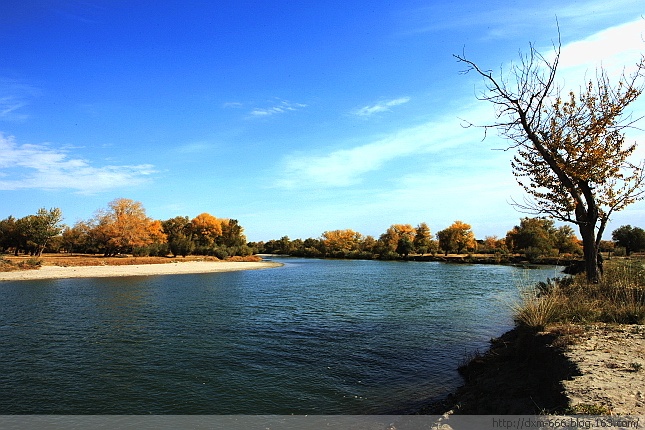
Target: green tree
(423,239)
(9,235)
(232,234)
(77,238)
(178,232)
(534,234)
(22,238)
(38,230)
(565,240)
(572,158)
(630,238)
(369,246)
(405,246)
(281,246)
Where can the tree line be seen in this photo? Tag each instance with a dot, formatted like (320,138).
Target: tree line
(124,228)
(535,238)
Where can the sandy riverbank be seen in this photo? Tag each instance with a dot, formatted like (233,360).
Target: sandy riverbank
(58,272)
(611,362)
(572,369)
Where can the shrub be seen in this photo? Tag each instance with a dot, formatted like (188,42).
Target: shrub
(159,249)
(389,255)
(220,253)
(32,263)
(140,251)
(6,265)
(202,250)
(619,252)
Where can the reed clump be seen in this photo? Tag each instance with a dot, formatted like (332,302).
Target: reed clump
(618,298)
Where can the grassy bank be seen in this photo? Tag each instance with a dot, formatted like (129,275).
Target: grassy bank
(619,298)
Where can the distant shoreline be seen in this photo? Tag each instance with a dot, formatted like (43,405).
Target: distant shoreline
(178,268)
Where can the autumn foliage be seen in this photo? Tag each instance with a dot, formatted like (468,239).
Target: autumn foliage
(124,228)
(458,238)
(572,157)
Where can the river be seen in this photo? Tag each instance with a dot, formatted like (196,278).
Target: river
(311,337)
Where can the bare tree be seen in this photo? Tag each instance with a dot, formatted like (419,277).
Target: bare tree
(571,155)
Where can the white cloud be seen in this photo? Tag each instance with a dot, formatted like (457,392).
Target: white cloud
(613,48)
(380,107)
(616,50)
(43,167)
(282,106)
(345,167)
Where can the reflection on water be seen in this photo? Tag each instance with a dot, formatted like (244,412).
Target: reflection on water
(312,337)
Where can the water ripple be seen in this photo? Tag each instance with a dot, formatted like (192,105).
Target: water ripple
(317,337)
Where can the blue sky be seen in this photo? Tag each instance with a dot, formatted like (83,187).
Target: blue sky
(294,117)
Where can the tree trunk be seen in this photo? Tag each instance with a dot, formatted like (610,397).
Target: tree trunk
(590,250)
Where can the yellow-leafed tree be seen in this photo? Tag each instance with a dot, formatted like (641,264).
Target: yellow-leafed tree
(123,226)
(457,238)
(341,240)
(572,157)
(396,234)
(206,229)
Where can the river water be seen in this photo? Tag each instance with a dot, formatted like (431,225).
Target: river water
(311,337)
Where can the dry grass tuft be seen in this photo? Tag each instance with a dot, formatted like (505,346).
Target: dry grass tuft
(619,298)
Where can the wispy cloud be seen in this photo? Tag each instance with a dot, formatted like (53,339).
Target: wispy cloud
(382,106)
(14,96)
(346,167)
(504,22)
(8,106)
(29,166)
(282,106)
(195,147)
(232,105)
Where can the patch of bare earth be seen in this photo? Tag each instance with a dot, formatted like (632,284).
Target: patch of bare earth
(567,369)
(611,362)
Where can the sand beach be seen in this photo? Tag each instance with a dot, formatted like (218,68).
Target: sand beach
(174,268)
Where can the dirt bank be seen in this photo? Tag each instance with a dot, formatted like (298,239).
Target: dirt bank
(570,369)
